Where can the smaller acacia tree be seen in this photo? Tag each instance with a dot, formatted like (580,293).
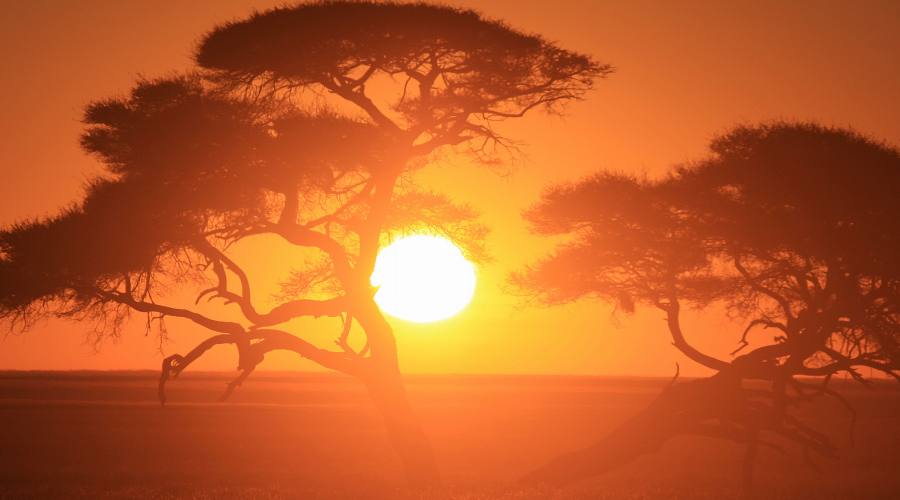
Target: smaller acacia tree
(792,226)
(196,164)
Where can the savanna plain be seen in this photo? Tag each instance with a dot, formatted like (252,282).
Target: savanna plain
(104,435)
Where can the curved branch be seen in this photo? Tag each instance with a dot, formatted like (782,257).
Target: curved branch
(273,340)
(302,307)
(279,314)
(303,236)
(173,365)
(219,258)
(757,322)
(228,327)
(355,95)
(678,340)
(253,354)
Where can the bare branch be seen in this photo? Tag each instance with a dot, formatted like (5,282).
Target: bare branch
(142,306)
(678,340)
(173,365)
(757,322)
(302,307)
(278,340)
(357,96)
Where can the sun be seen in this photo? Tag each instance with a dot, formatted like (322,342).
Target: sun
(423,278)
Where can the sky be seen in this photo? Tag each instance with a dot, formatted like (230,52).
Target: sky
(685,71)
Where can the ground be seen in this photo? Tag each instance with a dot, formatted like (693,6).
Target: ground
(103,435)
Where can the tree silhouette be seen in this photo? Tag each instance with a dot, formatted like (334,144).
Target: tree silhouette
(196,163)
(791,226)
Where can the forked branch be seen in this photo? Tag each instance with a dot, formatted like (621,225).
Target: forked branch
(252,349)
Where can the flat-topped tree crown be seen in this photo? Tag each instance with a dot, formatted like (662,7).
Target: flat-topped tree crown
(813,191)
(457,71)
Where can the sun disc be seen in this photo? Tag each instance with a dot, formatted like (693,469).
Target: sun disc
(423,278)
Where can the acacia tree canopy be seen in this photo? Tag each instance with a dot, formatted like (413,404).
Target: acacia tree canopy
(791,226)
(198,162)
(460,72)
(782,221)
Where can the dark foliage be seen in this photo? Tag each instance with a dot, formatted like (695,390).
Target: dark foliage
(196,163)
(460,72)
(791,226)
(183,163)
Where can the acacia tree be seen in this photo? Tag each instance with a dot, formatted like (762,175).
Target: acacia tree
(199,162)
(791,226)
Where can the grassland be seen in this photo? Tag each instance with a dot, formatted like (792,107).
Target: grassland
(103,436)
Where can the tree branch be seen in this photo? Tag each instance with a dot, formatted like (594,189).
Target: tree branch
(172,366)
(672,310)
(752,281)
(142,306)
(303,236)
(352,94)
(302,307)
(757,322)
(279,340)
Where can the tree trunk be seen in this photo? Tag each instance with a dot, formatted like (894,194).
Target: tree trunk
(679,409)
(388,391)
(404,429)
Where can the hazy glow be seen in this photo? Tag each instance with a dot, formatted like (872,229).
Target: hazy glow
(423,279)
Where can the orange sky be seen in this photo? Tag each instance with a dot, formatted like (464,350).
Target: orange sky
(685,71)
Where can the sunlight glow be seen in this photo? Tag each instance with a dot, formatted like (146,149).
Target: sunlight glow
(422,279)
